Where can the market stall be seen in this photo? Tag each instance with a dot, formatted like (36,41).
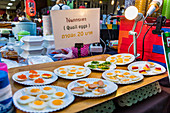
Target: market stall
(81,103)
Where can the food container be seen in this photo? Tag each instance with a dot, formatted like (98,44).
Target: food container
(48,41)
(26,54)
(22,34)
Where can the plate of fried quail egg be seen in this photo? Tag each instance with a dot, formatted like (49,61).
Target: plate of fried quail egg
(72,72)
(121,59)
(35,77)
(147,68)
(122,76)
(91,87)
(42,98)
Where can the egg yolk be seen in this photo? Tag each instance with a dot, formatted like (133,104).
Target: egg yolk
(109,73)
(145,68)
(43,96)
(120,75)
(63,72)
(22,76)
(79,73)
(82,82)
(70,74)
(119,55)
(61,68)
(126,73)
(132,76)
(127,56)
(126,80)
(117,71)
(126,60)
(112,78)
(33,72)
(47,88)
(73,67)
(96,90)
(151,63)
(87,84)
(81,68)
(24,97)
(35,90)
(120,61)
(72,70)
(33,76)
(59,94)
(57,102)
(113,57)
(112,60)
(38,102)
(95,83)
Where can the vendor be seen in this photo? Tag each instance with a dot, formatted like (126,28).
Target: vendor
(60,5)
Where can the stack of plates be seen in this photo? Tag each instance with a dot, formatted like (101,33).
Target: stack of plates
(32,46)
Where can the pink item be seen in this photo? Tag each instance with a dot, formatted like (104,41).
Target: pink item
(84,50)
(3,67)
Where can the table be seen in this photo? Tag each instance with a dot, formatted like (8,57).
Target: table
(79,103)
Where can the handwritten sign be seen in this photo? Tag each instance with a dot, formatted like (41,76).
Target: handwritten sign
(75,26)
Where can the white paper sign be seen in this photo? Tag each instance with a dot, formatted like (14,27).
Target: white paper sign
(75,26)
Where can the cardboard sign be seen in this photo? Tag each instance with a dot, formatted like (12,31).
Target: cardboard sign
(166,44)
(75,26)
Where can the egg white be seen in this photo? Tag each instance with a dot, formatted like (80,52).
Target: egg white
(51,105)
(81,69)
(31,99)
(87,88)
(126,74)
(58,97)
(119,76)
(110,74)
(45,99)
(33,78)
(134,79)
(81,85)
(81,74)
(155,71)
(122,80)
(38,107)
(113,80)
(70,71)
(97,93)
(63,74)
(28,91)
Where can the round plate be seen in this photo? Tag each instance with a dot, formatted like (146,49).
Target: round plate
(110,88)
(140,77)
(87,73)
(141,64)
(112,66)
(31,82)
(69,98)
(122,56)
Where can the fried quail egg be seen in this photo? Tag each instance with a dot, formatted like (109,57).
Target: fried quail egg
(133,77)
(100,84)
(33,91)
(39,81)
(126,80)
(55,103)
(58,95)
(72,71)
(38,105)
(113,79)
(81,69)
(146,67)
(81,83)
(43,97)
(117,72)
(135,68)
(142,72)
(120,76)
(80,73)
(25,99)
(151,64)
(63,73)
(126,60)
(127,57)
(119,60)
(119,56)
(113,61)
(113,58)
(110,74)
(157,70)
(62,69)
(126,74)
(99,91)
(33,76)
(46,75)
(72,68)
(21,77)
(33,72)
(71,75)
(48,90)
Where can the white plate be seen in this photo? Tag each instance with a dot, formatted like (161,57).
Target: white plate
(112,66)
(38,60)
(31,82)
(87,73)
(123,54)
(123,71)
(110,88)
(69,98)
(141,64)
